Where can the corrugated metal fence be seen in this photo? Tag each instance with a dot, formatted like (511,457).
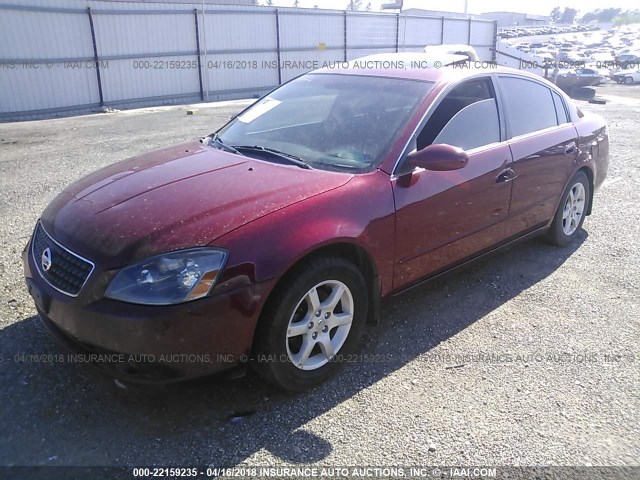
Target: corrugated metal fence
(510,56)
(62,56)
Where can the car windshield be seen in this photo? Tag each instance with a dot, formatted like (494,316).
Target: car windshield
(329,121)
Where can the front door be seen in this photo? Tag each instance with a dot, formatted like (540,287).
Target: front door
(444,217)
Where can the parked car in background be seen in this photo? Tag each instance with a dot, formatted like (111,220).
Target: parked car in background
(272,241)
(514,32)
(628,59)
(523,47)
(627,77)
(594,76)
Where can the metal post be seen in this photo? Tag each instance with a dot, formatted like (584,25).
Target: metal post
(195,14)
(95,56)
(397,32)
(345,35)
(442,32)
(495,41)
(204,46)
(278,45)
(469,34)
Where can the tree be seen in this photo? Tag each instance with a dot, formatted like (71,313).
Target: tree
(556,13)
(354,5)
(569,15)
(605,15)
(368,7)
(627,18)
(296,3)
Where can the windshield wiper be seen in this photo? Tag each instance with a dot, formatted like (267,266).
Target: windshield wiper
(285,156)
(217,141)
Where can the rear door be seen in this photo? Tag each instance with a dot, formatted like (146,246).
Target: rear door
(544,148)
(444,217)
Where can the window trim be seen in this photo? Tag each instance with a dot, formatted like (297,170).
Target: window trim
(435,103)
(564,108)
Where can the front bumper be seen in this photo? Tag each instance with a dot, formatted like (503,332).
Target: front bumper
(149,344)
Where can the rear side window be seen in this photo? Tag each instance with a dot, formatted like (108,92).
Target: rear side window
(561,113)
(529,106)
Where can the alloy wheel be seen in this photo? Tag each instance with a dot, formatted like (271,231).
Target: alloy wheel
(573,209)
(319,325)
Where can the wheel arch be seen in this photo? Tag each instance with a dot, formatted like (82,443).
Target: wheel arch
(590,178)
(350,251)
(589,173)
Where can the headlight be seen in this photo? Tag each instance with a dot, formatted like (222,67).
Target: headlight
(169,278)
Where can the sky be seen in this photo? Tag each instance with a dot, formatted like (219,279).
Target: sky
(537,7)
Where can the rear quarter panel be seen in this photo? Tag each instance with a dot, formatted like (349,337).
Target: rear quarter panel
(593,145)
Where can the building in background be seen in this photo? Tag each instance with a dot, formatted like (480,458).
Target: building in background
(433,13)
(512,19)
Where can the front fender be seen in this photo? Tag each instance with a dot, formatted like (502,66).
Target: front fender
(360,212)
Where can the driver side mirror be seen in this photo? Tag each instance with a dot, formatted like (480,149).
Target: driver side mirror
(440,158)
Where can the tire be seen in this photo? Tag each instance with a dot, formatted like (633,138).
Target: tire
(628,80)
(289,323)
(571,211)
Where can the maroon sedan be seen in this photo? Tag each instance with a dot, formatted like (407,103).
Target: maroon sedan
(272,241)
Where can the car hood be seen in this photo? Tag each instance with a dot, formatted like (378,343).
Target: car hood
(178,197)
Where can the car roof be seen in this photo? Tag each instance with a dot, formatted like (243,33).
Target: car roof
(421,66)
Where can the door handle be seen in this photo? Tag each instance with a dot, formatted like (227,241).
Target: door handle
(506,175)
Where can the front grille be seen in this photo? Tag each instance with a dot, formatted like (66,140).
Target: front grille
(67,271)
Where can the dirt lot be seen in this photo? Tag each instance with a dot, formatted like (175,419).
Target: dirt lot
(616,91)
(528,358)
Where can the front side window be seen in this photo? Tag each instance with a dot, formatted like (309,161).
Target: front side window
(467,117)
(331,121)
(529,106)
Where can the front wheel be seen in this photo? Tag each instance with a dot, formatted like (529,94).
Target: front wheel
(314,319)
(571,211)
(628,80)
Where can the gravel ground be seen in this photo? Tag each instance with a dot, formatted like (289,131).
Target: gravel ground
(528,358)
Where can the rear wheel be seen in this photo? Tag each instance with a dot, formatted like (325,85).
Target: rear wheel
(314,319)
(571,211)
(628,80)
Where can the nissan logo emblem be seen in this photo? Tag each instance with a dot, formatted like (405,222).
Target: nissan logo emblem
(46,259)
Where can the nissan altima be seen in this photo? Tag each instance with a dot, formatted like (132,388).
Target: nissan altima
(271,242)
